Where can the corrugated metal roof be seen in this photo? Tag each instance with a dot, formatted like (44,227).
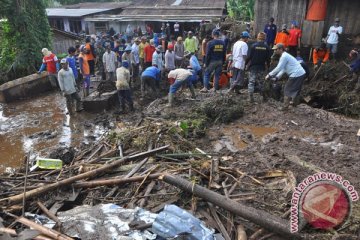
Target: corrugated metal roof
(173,3)
(63,12)
(98,5)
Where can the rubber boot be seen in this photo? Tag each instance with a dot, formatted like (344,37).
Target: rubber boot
(192,90)
(285,107)
(78,106)
(251,98)
(171,100)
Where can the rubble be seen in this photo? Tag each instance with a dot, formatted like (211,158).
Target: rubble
(165,156)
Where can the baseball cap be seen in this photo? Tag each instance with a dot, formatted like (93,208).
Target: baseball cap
(170,46)
(128,48)
(337,19)
(125,64)
(245,34)
(216,32)
(159,48)
(63,60)
(284,26)
(278,46)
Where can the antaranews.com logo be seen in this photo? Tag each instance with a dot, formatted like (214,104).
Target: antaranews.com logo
(323,200)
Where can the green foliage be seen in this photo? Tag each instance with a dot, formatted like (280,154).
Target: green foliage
(24,34)
(241,9)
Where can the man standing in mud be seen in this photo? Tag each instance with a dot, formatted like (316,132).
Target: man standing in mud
(257,61)
(215,57)
(289,65)
(67,85)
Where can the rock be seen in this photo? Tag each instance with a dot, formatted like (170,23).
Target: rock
(66,154)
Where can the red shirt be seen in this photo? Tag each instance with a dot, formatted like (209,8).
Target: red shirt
(50,62)
(149,50)
(294,35)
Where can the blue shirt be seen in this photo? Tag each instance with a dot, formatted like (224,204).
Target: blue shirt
(270,30)
(72,64)
(153,72)
(215,51)
(194,63)
(119,50)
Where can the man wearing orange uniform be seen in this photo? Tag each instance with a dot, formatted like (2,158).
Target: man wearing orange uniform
(283,36)
(90,56)
(85,70)
(320,55)
(294,38)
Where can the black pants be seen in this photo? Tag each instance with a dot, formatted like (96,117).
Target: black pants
(92,66)
(125,96)
(147,64)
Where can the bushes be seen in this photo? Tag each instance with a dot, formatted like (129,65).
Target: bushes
(25,31)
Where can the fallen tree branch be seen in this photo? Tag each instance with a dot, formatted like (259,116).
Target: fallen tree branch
(262,218)
(90,174)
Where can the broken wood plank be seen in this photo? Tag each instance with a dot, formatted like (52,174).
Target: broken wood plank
(48,213)
(90,174)
(146,194)
(44,230)
(222,228)
(262,218)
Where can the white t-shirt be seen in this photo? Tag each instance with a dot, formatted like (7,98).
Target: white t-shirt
(333,37)
(240,49)
(176,27)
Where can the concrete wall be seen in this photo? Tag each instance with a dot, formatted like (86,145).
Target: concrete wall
(26,87)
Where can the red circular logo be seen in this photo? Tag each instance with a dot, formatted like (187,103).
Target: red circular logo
(325,206)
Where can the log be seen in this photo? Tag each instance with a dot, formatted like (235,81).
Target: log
(44,230)
(262,218)
(115,181)
(90,174)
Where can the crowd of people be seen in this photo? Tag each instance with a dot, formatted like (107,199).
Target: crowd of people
(153,60)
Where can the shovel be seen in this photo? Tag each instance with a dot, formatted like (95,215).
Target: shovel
(316,73)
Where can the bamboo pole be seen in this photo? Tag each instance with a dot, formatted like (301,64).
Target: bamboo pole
(90,174)
(115,181)
(262,218)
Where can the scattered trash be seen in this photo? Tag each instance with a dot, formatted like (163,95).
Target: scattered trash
(48,163)
(175,222)
(105,221)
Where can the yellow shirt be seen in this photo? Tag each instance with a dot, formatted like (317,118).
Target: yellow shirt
(141,49)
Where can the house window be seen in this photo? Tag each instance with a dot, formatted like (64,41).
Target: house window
(57,23)
(75,26)
(101,26)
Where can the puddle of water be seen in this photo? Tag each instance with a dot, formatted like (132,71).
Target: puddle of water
(231,136)
(46,113)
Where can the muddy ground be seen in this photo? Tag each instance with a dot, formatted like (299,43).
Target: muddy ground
(252,140)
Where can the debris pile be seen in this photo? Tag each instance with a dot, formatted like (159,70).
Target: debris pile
(165,158)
